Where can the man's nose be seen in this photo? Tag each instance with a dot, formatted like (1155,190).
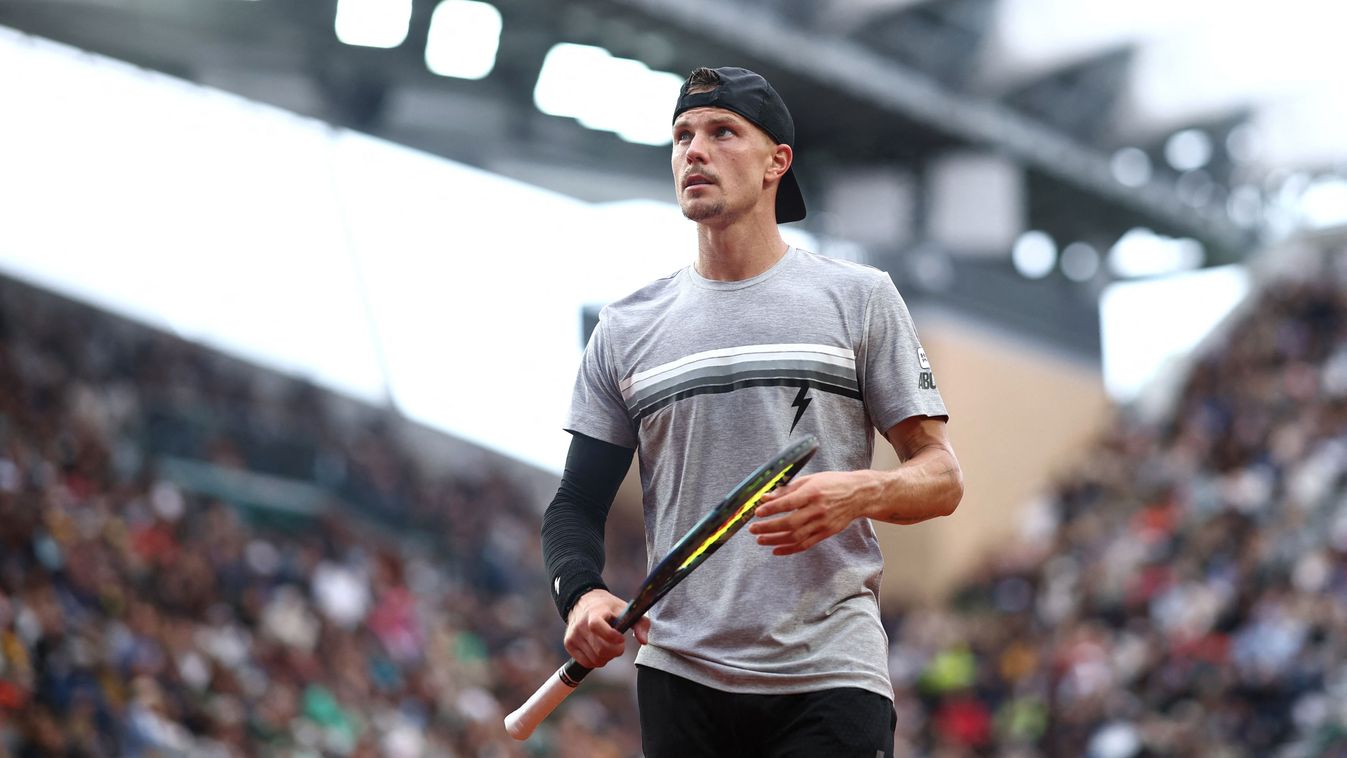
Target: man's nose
(696,152)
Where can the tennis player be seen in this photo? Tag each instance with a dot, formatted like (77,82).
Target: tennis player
(773,647)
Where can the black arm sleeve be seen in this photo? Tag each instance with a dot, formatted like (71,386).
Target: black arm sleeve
(573,524)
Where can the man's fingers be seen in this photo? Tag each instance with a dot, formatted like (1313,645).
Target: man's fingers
(583,654)
(783,523)
(783,489)
(642,631)
(777,538)
(602,630)
(590,637)
(804,542)
(778,531)
(779,504)
(779,500)
(792,540)
(592,653)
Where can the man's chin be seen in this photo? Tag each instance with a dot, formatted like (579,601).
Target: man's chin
(699,212)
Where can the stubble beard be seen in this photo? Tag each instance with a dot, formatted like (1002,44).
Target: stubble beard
(699,212)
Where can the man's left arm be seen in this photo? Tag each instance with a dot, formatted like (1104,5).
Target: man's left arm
(927,483)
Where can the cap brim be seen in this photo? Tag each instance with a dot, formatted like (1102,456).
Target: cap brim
(789,199)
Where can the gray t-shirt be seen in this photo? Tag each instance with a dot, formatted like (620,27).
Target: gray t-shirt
(708,380)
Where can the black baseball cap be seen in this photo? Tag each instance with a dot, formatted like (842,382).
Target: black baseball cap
(749,95)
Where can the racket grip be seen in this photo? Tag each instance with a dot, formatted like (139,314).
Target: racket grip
(528,716)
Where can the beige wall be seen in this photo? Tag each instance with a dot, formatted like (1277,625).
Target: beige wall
(1018,413)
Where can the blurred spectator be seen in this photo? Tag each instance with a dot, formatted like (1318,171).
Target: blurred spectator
(139,619)
(1189,594)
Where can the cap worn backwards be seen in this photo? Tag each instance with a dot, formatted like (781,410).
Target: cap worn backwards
(748,94)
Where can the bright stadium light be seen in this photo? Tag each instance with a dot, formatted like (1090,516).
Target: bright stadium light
(622,75)
(463,38)
(1187,150)
(1131,167)
(373,23)
(634,102)
(1034,254)
(1142,253)
(1080,262)
(1324,203)
(558,92)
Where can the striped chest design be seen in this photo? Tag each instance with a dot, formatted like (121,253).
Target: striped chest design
(823,367)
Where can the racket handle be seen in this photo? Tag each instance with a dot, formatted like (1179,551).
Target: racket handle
(528,716)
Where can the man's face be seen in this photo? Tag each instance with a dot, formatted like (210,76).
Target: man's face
(722,164)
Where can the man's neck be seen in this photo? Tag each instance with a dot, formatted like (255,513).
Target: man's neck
(738,251)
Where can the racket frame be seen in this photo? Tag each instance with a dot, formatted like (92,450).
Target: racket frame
(698,544)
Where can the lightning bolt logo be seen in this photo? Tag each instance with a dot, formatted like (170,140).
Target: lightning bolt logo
(801,402)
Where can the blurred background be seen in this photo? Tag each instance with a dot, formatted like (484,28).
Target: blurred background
(292,295)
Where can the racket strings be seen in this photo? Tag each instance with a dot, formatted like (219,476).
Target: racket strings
(738,516)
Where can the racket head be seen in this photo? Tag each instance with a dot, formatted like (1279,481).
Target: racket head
(721,523)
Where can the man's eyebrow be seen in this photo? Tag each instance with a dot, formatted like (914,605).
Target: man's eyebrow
(717,120)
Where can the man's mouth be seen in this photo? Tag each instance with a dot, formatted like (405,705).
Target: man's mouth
(696,180)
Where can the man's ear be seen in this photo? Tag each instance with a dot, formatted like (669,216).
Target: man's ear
(782,158)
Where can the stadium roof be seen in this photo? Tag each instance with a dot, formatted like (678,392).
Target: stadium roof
(1192,118)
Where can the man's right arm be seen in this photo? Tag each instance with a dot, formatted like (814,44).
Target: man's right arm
(573,549)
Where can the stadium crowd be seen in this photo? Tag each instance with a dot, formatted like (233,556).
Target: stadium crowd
(139,618)
(1181,591)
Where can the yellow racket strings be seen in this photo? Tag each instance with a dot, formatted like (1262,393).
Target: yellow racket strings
(738,516)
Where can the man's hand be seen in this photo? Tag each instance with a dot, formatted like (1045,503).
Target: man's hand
(927,484)
(590,637)
(818,506)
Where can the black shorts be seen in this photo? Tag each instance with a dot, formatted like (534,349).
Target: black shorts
(683,719)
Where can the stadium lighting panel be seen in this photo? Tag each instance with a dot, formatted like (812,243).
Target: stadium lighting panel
(1131,166)
(1079,262)
(1034,254)
(1143,253)
(373,23)
(463,38)
(634,102)
(1323,204)
(1188,149)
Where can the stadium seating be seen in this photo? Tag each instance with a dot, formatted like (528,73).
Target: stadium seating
(1184,590)
(141,614)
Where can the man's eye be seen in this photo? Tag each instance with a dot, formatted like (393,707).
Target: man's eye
(683,136)
(724,131)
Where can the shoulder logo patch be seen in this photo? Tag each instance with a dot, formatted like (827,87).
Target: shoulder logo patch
(925,379)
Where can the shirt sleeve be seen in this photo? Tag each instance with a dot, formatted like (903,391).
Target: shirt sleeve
(897,381)
(597,407)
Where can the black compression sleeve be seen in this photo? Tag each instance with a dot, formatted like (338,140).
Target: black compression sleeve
(573,524)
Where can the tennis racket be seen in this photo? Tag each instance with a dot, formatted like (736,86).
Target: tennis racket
(696,546)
